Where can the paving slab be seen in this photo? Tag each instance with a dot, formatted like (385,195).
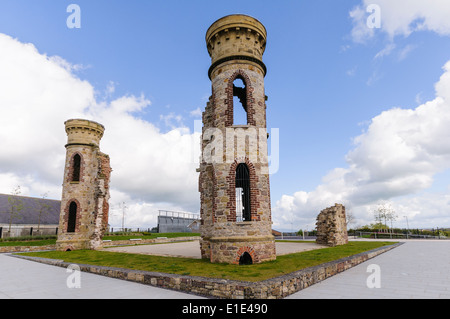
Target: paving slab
(418,269)
(191,249)
(24,279)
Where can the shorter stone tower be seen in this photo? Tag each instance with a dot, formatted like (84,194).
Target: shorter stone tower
(84,203)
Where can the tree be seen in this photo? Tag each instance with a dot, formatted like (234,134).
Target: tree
(378,226)
(384,213)
(378,217)
(349,218)
(391,216)
(43,209)
(15,207)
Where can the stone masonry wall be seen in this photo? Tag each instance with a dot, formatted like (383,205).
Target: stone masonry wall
(90,192)
(101,200)
(331,226)
(226,145)
(82,193)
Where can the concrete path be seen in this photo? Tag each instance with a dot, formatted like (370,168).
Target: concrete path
(24,279)
(416,269)
(191,249)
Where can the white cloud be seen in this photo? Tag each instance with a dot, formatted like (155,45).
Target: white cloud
(351,72)
(39,93)
(172,120)
(196,113)
(386,51)
(360,32)
(398,156)
(401,18)
(404,52)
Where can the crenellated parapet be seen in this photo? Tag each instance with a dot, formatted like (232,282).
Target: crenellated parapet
(236,37)
(83,132)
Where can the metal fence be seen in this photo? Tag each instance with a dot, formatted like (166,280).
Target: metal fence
(380,235)
(361,234)
(177,222)
(131,230)
(19,231)
(289,236)
(170,213)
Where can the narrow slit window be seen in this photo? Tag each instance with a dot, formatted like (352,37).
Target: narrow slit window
(76,168)
(243,205)
(72,220)
(239,102)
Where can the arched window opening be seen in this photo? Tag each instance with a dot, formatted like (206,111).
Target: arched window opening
(245,259)
(76,168)
(242,193)
(72,220)
(239,102)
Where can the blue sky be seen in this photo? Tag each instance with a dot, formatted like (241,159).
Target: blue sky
(325,85)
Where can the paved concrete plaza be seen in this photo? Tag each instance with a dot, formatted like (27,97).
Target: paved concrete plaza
(416,269)
(191,249)
(25,279)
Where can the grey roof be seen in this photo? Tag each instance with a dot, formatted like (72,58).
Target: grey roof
(29,214)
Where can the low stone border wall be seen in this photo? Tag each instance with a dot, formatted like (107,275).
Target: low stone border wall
(275,288)
(24,249)
(161,240)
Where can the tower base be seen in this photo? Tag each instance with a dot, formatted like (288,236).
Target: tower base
(238,250)
(68,244)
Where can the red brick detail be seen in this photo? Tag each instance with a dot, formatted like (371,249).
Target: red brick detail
(246,249)
(105,168)
(254,191)
(71,168)
(66,215)
(229,112)
(214,195)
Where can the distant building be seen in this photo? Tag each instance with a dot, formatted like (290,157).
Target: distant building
(177,222)
(276,232)
(32,216)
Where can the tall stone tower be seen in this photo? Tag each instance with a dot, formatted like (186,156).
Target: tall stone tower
(84,203)
(236,224)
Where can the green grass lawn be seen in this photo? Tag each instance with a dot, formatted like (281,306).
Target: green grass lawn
(38,242)
(30,241)
(196,267)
